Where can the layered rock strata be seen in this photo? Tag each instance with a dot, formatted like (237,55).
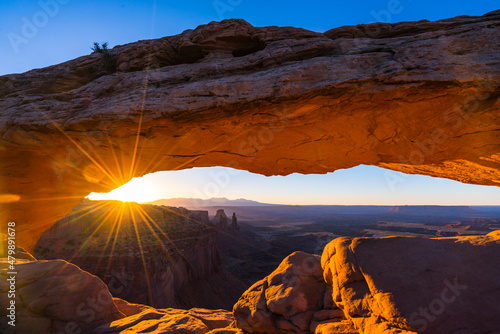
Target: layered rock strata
(154,255)
(419,97)
(410,285)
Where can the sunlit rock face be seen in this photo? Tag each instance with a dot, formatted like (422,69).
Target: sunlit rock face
(420,97)
(172,321)
(410,285)
(292,299)
(154,255)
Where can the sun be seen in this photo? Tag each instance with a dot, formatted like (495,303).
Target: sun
(136,190)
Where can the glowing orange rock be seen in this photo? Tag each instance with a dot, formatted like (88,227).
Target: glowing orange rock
(420,97)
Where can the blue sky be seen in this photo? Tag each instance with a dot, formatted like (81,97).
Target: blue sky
(359,185)
(68,29)
(36,34)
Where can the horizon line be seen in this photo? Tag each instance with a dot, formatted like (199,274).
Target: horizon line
(281,204)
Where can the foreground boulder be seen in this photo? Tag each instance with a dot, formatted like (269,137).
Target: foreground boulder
(410,285)
(54,297)
(292,299)
(58,297)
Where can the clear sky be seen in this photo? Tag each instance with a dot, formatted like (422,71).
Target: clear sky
(358,185)
(36,34)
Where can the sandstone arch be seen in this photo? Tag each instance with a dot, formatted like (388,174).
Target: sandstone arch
(420,97)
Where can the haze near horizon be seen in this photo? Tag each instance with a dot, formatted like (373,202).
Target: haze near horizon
(361,185)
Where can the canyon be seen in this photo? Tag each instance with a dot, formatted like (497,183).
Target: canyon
(154,255)
(417,97)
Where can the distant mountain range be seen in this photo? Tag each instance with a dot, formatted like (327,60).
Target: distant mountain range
(198,202)
(438,210)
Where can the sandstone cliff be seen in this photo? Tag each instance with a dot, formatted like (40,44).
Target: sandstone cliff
(220,220)
(420,97)
(154,255)
(234,223)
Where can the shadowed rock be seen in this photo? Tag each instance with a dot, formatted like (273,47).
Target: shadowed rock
(220,220)
(181,266)
(58,297)
(54,297)
(234,223)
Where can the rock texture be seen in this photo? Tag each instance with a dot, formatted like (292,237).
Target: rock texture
(170,321)
(58,297)
(292,299)
(410,285)
(234,223)
(220,220)
(420,97)
(154,255)
(130,309)
(373,285)
(54,297)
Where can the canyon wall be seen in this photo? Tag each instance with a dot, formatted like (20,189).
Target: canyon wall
(418,97)
(154,255)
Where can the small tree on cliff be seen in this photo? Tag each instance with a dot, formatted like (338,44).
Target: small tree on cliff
(108,60)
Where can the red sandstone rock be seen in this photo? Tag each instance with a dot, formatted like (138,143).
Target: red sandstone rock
(175,321)
(54,296)
(420,97)
(410,285)
(220,220)
(212,318)
(226,331)
(336,327)
(58,297)
(290,300)
(155,322)
(130,309)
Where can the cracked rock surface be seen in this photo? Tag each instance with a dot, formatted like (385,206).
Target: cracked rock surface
(416,285)
(294,298)
(419,97)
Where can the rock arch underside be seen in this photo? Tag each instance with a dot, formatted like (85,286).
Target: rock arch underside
(417,97)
